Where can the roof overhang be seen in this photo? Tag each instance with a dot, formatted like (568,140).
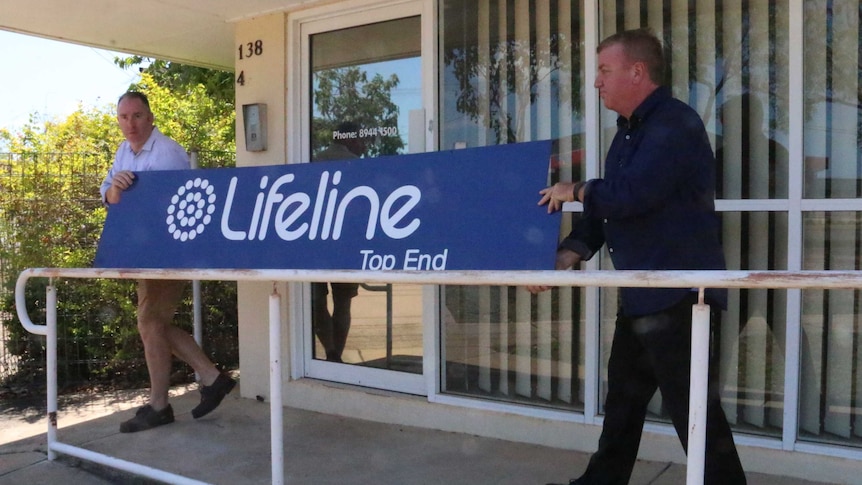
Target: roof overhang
(193,32)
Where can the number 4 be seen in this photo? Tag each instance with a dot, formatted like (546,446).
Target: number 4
(241,78)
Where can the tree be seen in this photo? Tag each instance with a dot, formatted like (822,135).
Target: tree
(219,85)
(51,215)
(198,103)
(512,66)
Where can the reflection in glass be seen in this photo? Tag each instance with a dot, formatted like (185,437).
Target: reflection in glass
(511,72)
(373,85)
(751,347)
(359,104)
(501,343)
(831,353)
(730,64)
(751,155)
(832,103)
(385,329)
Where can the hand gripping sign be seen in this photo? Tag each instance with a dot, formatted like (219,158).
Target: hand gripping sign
(472,209)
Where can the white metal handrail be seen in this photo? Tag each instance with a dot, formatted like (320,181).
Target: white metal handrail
(652,279)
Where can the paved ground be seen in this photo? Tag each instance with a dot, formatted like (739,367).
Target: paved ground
(232,446)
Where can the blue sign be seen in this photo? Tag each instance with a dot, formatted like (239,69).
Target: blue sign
(472,209)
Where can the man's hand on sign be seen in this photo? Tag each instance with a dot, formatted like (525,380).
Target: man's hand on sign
(556,195)
(122,181)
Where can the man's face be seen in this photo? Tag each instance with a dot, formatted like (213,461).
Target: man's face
(614,79)
(136,121)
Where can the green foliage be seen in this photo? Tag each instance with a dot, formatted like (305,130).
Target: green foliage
(51,216)
(190,116)
(91,130)
(219,85)
(461,60)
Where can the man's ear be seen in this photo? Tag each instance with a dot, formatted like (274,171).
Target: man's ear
(640,71)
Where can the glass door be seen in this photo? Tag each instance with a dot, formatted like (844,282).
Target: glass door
(364,98)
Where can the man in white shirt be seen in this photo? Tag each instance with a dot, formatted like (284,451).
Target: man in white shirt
(146,148)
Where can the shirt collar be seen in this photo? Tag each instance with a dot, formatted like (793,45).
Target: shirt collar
(640,113)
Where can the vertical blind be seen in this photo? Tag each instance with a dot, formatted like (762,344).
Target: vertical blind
(517,67)
(831,353)
(728,60)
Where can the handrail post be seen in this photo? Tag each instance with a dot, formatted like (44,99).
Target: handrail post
(592,279)
(197,323)
(698,389)
(21,306)
(51,365)
(388,326)
(275,404)
(197,320)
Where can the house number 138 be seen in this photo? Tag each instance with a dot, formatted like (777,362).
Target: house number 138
(251,49)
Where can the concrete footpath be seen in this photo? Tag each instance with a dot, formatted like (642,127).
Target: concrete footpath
(232,446)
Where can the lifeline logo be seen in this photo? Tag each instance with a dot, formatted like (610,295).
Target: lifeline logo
(452,210)
(329,211)
(191,209)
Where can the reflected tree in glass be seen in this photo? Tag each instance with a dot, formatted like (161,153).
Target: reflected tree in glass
(347,94)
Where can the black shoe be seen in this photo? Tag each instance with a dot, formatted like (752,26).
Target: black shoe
(146,417)
(211,396)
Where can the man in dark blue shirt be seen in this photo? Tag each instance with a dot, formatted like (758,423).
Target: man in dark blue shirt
(655,210)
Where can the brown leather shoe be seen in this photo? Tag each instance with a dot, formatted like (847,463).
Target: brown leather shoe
(211,396)
(146,417)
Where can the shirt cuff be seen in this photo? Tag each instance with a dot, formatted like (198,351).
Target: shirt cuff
(583,184)
(577,246)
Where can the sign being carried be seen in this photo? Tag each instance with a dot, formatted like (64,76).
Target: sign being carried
(472,209)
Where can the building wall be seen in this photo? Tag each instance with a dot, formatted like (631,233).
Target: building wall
(265,76)
(262,66)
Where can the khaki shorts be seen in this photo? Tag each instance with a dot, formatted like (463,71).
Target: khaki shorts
(158,299)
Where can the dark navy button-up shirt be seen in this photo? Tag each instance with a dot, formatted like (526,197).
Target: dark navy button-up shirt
(655,207)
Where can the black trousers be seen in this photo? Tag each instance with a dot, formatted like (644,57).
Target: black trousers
(648,353)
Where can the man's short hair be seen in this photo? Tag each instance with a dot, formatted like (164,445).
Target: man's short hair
(135,95)
(640,45)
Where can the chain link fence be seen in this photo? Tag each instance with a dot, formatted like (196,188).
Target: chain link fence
(98,346)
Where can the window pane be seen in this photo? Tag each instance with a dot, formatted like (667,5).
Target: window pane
(729,62)
(510,71)
(833,118)
(373,86)
(751,343)
(360,102)
(831,353)
(502,343)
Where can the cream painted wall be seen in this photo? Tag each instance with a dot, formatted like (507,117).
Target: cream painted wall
(264,74)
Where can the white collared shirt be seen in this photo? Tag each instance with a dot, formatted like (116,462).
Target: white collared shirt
(158,153)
